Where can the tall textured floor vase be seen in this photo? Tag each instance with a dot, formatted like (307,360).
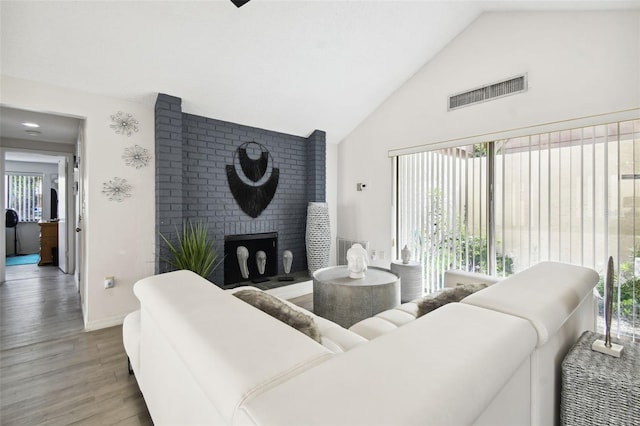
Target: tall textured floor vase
(317,237)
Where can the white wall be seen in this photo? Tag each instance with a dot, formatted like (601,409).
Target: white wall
(332,196)
(119,236)
(578,64)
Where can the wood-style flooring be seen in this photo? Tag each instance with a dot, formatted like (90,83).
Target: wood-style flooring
(305,301)
(52,372)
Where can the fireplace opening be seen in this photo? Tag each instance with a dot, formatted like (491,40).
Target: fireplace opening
(250,257)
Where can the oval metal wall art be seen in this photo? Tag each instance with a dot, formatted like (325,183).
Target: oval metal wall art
(255,188)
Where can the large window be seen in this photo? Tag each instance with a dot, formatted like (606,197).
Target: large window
(24,195)
(498,207)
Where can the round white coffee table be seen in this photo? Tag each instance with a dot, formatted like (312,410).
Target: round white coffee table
(346,301)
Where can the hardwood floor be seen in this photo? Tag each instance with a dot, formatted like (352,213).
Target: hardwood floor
(51,371)
(305,301)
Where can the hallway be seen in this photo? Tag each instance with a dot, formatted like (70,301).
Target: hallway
(52,371)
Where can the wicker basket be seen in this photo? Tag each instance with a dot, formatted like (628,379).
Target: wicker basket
(599,389)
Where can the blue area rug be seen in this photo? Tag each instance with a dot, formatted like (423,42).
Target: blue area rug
(26,259)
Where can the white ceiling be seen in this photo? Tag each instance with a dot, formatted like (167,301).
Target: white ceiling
(53,128)
(290,66)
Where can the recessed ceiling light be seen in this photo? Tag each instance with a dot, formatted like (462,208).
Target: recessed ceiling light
(29,124)
(33,132)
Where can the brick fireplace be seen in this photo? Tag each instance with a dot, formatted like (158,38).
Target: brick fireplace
(191,184)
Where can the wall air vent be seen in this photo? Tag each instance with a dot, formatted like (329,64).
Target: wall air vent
(345,244)
(492,91)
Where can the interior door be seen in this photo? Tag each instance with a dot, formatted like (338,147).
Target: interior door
(80,212)
(62,215)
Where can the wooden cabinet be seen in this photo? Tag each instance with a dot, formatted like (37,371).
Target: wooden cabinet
(48,242)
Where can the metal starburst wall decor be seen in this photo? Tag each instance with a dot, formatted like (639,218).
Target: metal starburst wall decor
(136,156)
(117,189)
(124,124)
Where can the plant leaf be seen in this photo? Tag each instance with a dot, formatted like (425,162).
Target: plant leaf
(194,250)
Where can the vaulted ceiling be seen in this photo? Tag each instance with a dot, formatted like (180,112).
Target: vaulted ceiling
(291,66)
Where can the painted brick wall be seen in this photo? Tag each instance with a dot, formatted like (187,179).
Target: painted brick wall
(191,180)
(317,162)
(168,158)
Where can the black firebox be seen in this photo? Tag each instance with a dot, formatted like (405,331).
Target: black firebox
(266,242)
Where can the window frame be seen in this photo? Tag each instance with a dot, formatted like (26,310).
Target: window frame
(32,218)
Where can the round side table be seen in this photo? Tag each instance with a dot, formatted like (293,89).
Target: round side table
(346,301)
(410,279)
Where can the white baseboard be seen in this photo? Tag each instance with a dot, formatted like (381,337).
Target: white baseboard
(284,292)
(293,290)
(103,323)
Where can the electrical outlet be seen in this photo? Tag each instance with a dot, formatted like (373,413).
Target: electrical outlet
(109,282)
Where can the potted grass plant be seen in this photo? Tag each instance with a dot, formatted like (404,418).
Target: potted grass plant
(194,250)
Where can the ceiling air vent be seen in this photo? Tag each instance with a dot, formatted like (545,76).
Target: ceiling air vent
(492,91)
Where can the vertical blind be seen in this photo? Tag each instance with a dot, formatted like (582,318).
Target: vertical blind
(571,196)
(24,195)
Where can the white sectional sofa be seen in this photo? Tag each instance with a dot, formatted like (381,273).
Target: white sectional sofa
(203,356)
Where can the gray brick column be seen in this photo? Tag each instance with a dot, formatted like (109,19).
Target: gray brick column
(317,166)
(168,161)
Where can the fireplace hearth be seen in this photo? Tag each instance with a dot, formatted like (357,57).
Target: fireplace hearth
(261,255)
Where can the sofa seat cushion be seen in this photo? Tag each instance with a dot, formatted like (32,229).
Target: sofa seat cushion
(545,294)
(373,327)
(389,320)
(337,338)
(458,283)
(385,321)
(410,307)
(398,317)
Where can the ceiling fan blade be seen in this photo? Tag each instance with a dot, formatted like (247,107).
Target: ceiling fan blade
(239,3)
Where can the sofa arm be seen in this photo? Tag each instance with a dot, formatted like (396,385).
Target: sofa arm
(131,339)
(229,348)
(546,294)
(456,277)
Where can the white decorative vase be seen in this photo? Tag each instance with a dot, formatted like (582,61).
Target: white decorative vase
(317,237)
(405,254)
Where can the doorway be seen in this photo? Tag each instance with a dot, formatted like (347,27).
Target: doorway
(37,230)
(41,148)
